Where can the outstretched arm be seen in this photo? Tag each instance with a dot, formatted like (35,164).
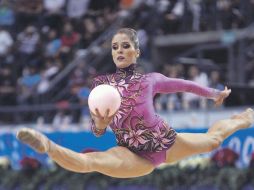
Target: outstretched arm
(163,84)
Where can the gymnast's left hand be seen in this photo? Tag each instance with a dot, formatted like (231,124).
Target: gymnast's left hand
(101,121)
(223,94)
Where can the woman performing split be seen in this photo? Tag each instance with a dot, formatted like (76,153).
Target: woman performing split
(144,140)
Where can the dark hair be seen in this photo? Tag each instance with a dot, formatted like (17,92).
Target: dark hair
(132,34)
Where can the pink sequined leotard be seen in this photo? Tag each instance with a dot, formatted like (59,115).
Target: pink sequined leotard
(136,125)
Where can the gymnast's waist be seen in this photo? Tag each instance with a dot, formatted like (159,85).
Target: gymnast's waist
(146,139)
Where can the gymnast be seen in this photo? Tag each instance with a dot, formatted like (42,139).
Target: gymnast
(144,140)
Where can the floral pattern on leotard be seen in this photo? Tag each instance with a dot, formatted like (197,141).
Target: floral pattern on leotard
(140,138)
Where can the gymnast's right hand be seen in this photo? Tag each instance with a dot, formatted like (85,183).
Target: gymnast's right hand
(101,121)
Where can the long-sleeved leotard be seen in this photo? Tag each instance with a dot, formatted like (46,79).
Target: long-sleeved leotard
(136,125)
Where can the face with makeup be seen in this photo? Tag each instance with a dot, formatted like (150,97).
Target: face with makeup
(124,52)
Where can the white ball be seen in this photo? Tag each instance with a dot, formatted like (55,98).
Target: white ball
(104,97)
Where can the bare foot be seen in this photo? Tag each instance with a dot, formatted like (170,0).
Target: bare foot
(247,115)
(36,140)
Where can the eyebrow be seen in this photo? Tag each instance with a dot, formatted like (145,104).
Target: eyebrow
(122,43)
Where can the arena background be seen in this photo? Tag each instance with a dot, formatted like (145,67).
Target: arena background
(51,49)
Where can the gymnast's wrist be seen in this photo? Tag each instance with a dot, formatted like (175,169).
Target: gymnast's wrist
(98,125)
(98,130)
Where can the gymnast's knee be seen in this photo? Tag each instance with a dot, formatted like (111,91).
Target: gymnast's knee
(219,124)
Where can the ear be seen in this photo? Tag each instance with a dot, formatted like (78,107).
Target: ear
(138,53)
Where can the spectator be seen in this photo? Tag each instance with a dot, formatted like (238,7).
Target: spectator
(169,102)
(76,9)
(6,42)
(28,42)
(52,67)
(209,15)
(99,5)
(172,16)
(229,14)
(28,13)
(77,90)
(27,85)
(109,16)
(53,15)
(69,41)
(62,119)
(7,86)
(248,12)
(192,101)
(249,71)
(83,94)
(215,80)
(101,21)
(7,15)
(195,8)
(88,32)
(143,43)
(78,76)
(53,44)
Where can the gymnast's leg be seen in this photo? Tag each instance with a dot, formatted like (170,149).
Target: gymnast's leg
(117,162)
(188,144)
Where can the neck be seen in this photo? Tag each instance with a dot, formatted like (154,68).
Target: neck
(129,70)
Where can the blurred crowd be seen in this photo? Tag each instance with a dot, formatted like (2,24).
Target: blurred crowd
(40,38)
(216,173)
(176,16)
